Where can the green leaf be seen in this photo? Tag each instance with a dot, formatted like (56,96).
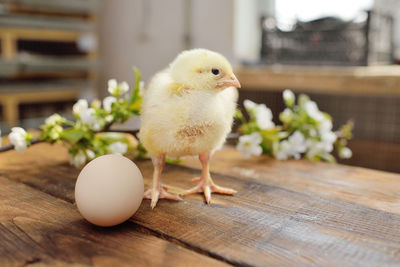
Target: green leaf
(267,147)
(248,128)
(135,106)
(173,160)
(72,136)
(141,152)
(239,116)
(136,88)
(328,157)
(112,137)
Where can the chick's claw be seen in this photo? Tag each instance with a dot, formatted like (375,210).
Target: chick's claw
(207,186)
(156,194)
(196,179)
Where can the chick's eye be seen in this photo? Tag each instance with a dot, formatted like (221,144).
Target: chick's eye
(215,71)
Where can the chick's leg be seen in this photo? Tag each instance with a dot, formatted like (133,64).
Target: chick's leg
(206,184)
(159,190)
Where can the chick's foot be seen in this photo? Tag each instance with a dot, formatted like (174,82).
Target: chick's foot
(207,186)
(156,193)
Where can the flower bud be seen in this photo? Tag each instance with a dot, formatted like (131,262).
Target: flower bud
(289,98)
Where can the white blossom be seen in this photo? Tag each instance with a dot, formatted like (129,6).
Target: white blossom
(262,114)
(250,145)
(55,132)
(116,89)
(80,106)
(112,85)
(18,130)
(313,111)
(298,143)
(18,139)
(89,117)
(249,105)
(78,159)
(109,118)
(327,136)
(323,147)
(90,154)
(314,148)
(293,147)
(107,103)
(118,148)
(53,119)
(264,117)
(288,97)
(286,115)
(345,153)
(95,103)
(312,132)
(284,150)
(325,125)
(327,140)
(124,87)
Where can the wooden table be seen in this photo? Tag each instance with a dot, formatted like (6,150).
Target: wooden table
(285,213)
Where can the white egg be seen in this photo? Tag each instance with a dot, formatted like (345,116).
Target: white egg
(109,190)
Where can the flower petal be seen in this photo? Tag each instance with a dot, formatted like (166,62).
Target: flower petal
(248,104)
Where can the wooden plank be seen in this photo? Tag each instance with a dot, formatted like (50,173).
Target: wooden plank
(56,163)
(11,100)
(41,96)
(33,63)
(370,188)
(42,34)
(267,222)
(50,85)
(28,65)
(70,6)
(49,74)
(7,68)
(36,228)
(9,46)
(331,80)
(10,110)
(46,22)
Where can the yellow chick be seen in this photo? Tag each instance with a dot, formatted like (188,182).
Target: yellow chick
(188,110)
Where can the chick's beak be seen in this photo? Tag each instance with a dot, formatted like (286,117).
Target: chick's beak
(227,81)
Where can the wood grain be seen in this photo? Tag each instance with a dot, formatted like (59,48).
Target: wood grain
(370,188)
(278,217)
(36,228)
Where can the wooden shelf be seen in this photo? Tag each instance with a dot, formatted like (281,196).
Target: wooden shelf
(29,65)
(372,80)
(13,95)
(40,43)
(62,6)
(46,22)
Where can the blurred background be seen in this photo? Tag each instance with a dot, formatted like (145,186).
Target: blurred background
(344,54)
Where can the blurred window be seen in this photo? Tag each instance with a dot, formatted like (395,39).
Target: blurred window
(288,12)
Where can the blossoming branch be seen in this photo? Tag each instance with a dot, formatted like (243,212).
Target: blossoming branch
(87,136)
(305,131)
